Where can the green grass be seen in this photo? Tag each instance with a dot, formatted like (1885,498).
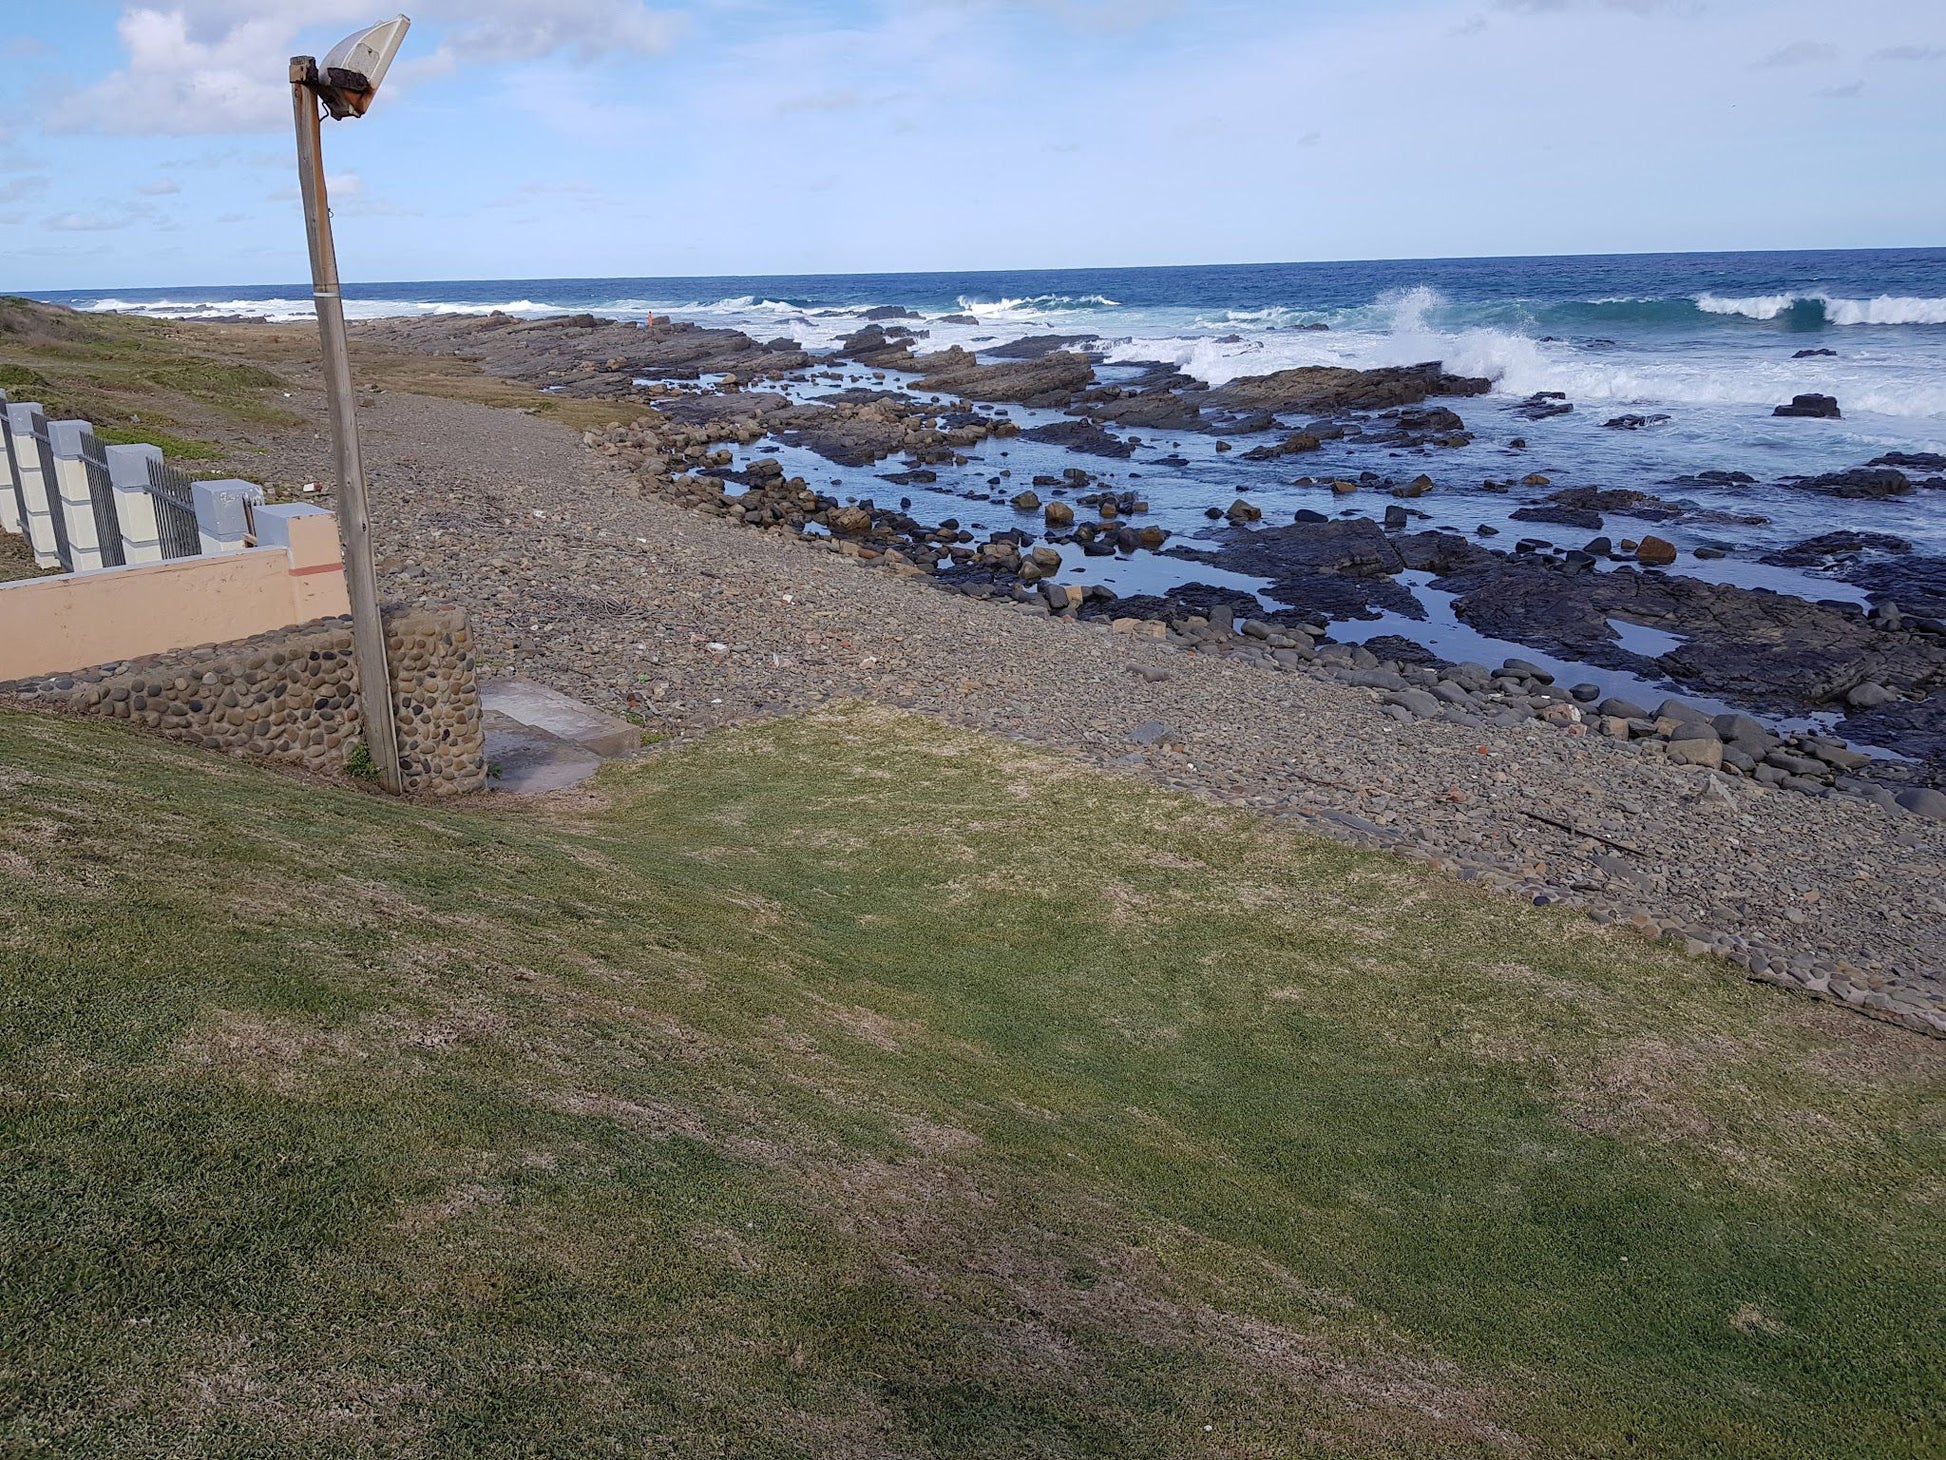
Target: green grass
(138,380)
(179,448)
(859,1087)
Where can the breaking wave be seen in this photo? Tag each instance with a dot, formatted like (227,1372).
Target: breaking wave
(1814,309)
(1037,307)
(1407,326)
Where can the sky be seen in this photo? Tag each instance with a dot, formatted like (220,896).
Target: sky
(151,144)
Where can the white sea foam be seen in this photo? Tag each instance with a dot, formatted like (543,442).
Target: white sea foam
(1886,309)
(1762,306)
(1402,330)
(1039,306)
(282,309)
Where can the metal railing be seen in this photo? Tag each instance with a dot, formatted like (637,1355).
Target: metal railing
(175,511)
(101,492)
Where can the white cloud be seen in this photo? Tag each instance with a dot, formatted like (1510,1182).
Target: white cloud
(583,30)
(216,66)
(1797,53)
(1910,53)
(89,222)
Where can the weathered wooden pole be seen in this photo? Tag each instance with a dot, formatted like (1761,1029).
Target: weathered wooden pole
(354,513)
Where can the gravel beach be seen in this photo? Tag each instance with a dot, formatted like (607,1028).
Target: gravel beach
(691,622)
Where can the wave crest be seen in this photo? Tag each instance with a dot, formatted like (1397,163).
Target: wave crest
(1886,309)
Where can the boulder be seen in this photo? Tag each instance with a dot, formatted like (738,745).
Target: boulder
(1655,552)
(849,521)
(1822,407)
(1923,801)
(1700,751)
(1060,514)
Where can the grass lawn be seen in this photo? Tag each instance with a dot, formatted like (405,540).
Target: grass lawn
(852,1086)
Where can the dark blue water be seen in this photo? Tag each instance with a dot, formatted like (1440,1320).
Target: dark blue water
(1580,291)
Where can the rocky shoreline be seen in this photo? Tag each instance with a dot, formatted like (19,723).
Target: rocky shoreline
(678,609)
(1877,677)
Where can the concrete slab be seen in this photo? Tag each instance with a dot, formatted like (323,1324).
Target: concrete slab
(563,718)
(529,762)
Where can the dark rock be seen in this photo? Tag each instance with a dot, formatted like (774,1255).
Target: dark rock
(1295,443)
(1766,650)
(1037,347)
(1823,407)
(1815,355)
(1401,650)
(1082,436)
(1560,516)
(1622,500)
(1860,483)
(1831,547)
(1543,404)
(1633,423)
(1051,381)
(1339,569)
(877,348)
(1324,389)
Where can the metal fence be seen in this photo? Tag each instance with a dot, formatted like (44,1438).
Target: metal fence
(101,492)
(175,511)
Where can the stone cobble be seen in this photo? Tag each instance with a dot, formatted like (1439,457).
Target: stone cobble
(291,696)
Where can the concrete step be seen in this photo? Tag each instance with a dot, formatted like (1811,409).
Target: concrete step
(565,719)
(528,761)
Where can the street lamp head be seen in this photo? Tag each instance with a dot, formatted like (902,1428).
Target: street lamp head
(352,71)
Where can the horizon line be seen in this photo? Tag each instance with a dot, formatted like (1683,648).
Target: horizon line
(993,272)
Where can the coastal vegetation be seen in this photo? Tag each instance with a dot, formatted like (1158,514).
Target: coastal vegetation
(853,1084)
(211,394)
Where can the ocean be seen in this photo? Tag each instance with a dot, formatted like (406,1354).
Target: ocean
(1710,342)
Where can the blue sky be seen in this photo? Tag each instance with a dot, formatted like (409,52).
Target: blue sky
(149,144)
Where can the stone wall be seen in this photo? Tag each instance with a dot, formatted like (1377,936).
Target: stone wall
(292,696)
